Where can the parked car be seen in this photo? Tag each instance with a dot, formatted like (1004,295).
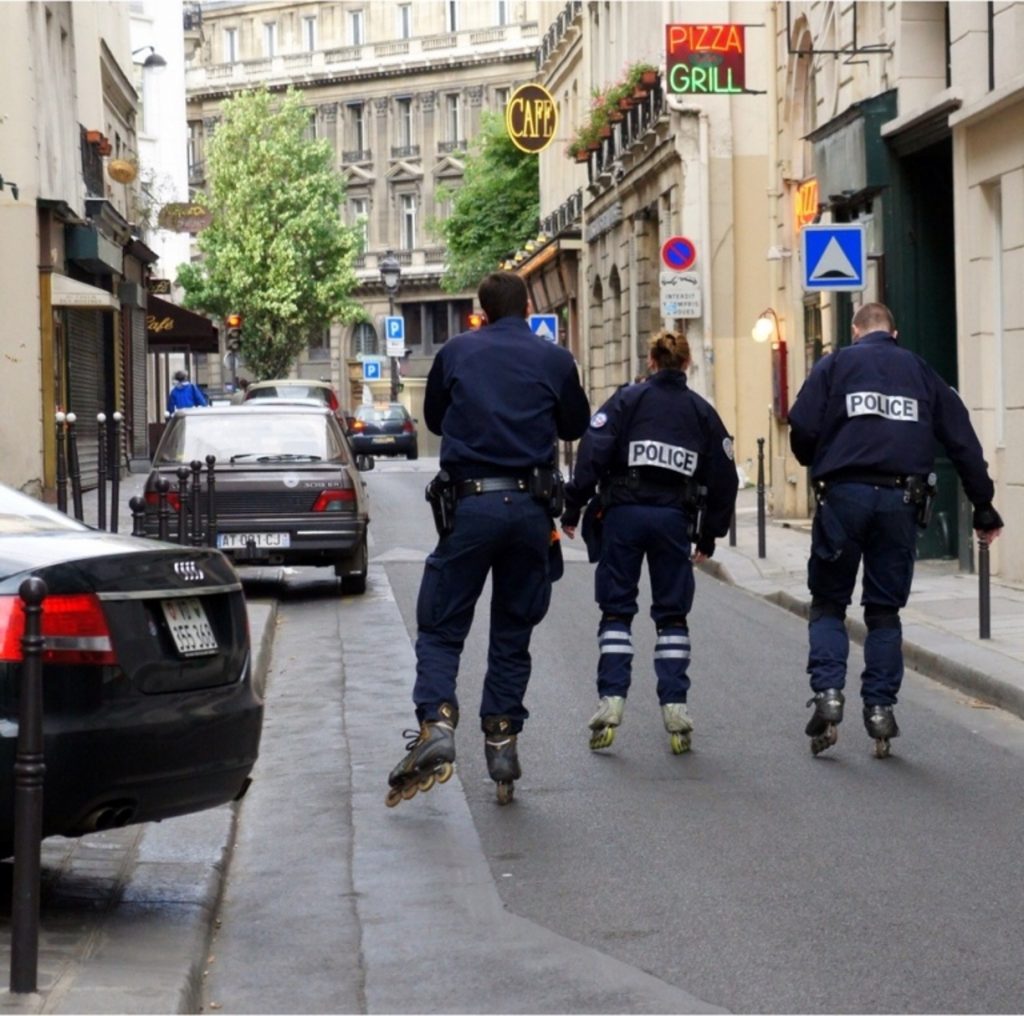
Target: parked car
(287,490)
(318,392)
(148,702)
(384,430)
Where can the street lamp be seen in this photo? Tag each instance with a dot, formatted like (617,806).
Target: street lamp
(152,61)
(390,276)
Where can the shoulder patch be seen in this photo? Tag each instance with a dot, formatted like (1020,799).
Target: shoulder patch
(598,420)
(727,447)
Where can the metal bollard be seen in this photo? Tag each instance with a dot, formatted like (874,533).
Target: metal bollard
(29,772)
(163,511)
(984,591)
(184,473)
(62,465)
(211,501)
(74,468)
(760,499)
(115,472)
(101,489)
(197,519)
(138,509)
(732,529)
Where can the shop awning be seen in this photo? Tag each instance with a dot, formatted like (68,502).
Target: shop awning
(170,328)
(67,292)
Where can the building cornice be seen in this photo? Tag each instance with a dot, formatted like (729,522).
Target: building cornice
(995,102)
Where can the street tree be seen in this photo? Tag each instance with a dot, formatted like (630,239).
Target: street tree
(276,250)
(494,208)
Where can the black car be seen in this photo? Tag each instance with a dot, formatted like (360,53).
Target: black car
(148,701)
(384,430)
(287,490)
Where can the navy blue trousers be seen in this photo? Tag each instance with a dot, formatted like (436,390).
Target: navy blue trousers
(631,533)
(505,534)
(857,522)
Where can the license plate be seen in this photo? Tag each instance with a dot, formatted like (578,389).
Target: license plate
(189,626)
(239,541)
(384,440)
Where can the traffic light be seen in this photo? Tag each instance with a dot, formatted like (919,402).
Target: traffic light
(475,319)
(233,339)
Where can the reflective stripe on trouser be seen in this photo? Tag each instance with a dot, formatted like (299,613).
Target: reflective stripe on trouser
(671,663)
(614,667)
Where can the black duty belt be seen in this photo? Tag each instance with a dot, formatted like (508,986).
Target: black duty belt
(489,484)
(874,479)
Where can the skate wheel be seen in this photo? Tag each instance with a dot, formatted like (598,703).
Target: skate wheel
(394,796)
(602,738)
(882,747)
(680,743)
(444,774)
(826,740)
(426,783)
(409,792)
(506,792)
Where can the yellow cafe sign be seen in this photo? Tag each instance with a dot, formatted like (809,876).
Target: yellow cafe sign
(531,118)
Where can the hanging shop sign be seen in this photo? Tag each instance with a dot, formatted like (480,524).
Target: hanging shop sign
(805,202)
(531,118)
(705,59)
(182,217)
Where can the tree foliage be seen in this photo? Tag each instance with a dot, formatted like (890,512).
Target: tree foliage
(276,251)
(494,210)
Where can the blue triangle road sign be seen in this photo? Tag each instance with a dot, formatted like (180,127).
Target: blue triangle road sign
(834,257)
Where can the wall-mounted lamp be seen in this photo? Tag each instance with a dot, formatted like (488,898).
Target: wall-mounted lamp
(767,327)
(152,61)
(9,183)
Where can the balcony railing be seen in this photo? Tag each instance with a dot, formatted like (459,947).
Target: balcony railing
(356,155)
(92,166)
(405,151)
(625,135)
(446,41)
(344,54)
(396,48)
(557,30)
(568,215)
(443,147)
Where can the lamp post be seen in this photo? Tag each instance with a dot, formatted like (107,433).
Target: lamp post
(153,61)
(390,276)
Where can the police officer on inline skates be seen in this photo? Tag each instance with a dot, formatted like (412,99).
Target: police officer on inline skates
(662,462)
(865,421)
(500,397)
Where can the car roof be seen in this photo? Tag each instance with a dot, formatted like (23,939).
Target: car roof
(247,409)
(285,381)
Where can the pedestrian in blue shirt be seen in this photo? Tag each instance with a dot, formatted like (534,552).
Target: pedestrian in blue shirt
(662,461)
(500,397)
(184,394)
(866,421)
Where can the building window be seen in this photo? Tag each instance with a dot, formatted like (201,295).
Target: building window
(501,99)
(309,33)
(405,21)
(453,116)
(357,126)
(364,339)
(194,149)
(270,39)
(355,27)
(359,215)
(404,107)
(230,45)
(319,347)
(310,132)
(452,15)
(408,223)
(502,12)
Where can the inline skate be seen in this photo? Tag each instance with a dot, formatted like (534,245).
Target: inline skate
(502,757)
(679,726)
(430,758)
(605,720)
(823,726)
(880,724)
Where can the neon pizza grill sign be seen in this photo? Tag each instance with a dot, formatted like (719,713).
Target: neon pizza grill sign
(705,59)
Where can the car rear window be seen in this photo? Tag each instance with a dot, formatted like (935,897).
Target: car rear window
(373,415)
(289,392)
(21,514)
(250,435)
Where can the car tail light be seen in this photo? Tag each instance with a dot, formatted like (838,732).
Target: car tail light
(407,427)
(359,425)
(334,500)
(173,501)
(332,401)
(74,630)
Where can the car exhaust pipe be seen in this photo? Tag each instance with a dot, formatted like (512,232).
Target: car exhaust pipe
(110,816)
(244,788)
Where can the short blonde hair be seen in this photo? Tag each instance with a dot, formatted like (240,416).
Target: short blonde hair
(669,350)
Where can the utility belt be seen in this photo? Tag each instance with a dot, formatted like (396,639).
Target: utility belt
(544,484)
(917,490)
(685,493)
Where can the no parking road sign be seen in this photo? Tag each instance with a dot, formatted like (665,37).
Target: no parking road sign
(834,256)
(678,253)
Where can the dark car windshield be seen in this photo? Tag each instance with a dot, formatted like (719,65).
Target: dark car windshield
(374,414)
(252,437)
(289,392)
(21,514)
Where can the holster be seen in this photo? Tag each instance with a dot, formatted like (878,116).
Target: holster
(922,491)
(547,485)
(440,495)
(698,508)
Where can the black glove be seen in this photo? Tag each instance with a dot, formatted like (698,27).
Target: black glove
(986,518)
(706,545)
(571,517)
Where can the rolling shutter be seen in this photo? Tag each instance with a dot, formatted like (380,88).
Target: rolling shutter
(85,387)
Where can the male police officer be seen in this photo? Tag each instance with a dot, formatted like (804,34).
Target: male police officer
(662,458)
(865,422)
(500,397)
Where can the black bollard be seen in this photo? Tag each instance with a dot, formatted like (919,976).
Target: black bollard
(732,529)
(138,509)
(184,473)
(211,501)
(197,519)
(29,772)
(74,468)
(984,591)
(62,465)
(101,489)
(115,471)
(760,498)
(163,511)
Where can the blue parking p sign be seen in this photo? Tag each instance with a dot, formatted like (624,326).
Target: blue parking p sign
(394,328)
(371,370)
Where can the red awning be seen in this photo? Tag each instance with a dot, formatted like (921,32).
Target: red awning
(170,328)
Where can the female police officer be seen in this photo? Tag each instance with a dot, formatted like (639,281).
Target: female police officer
(663,463)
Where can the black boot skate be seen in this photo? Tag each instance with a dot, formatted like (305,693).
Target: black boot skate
(880,723)
(823,726)
(501,755)
(430,759)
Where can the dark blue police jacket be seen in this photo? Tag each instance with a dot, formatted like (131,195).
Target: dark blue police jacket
(669,435)
(500,397)
(875,407)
